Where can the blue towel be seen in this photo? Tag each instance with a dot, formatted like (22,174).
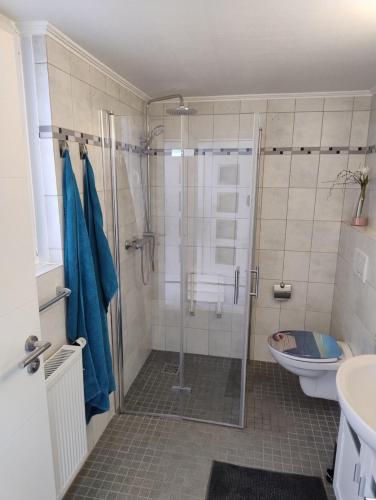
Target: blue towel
(83,307)
(105,273)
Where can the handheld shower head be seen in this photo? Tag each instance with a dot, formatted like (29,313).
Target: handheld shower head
(157,130)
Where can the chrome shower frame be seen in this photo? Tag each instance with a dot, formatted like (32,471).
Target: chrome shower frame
(116,309)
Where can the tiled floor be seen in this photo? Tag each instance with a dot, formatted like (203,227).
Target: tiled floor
(215,384)
(141,457)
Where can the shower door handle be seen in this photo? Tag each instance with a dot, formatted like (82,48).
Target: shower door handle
(256,272)
(236,284)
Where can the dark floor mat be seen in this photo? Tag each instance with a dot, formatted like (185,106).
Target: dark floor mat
(232,482)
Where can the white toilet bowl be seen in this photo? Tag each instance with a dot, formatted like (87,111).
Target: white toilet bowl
(317,375)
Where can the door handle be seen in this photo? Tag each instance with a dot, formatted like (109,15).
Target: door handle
(36,348)
(236,285)
(356,475)
(256,272)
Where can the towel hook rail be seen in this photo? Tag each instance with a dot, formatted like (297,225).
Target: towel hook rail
(83,150)
(63,146)
(61,293)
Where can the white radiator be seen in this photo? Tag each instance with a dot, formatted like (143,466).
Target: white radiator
(66,408)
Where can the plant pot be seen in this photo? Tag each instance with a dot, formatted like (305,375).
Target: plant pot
(359,221)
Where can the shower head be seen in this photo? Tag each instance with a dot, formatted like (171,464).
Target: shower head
(157,130)
(181,110)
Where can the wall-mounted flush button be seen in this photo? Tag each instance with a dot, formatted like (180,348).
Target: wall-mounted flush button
(360,264)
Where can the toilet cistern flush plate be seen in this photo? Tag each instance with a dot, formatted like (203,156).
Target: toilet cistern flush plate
(360,264)
(356,386)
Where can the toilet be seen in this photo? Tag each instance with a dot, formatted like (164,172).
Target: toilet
(313,356)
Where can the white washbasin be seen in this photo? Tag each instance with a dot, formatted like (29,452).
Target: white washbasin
(356,386)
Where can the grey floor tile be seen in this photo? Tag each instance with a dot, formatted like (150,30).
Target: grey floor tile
(144,457)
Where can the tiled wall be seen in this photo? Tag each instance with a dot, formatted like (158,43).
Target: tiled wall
(306,142)
(71,94)
(354,317)
(299,218)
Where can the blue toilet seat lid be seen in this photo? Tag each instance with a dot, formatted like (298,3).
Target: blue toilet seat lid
(305,344)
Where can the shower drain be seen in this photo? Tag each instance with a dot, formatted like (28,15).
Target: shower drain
(170,368)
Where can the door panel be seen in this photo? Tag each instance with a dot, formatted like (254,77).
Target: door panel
(219,209)
(26,469)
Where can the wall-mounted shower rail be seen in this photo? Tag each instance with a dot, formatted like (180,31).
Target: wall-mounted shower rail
(61,293)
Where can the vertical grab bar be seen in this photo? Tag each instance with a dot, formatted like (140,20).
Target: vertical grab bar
(256,272)
(236,284)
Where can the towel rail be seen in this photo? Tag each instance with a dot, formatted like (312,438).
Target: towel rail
(61,293)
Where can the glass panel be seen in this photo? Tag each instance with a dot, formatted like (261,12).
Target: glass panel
(150,301)
(185,216)
(216,262)
(151,310)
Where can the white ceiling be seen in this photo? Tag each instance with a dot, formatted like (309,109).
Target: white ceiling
(217,47)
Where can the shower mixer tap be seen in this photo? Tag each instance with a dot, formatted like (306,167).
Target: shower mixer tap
(136,244)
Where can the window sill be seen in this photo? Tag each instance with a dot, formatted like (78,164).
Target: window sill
(45,267)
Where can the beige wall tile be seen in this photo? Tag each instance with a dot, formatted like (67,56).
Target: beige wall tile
(265,298)
(291,320)
(325,236)
(329,204)
(322,267)
(260,349)
(304,170)
(58,55)
(279,129)
(226,127)
(271,264)
(97,79)
(301,203)
(201,128)
(298,235)
(274,203)
(79,68)
(320,297)
(267,321)
(82,106)
(338,103)
(329,167)
(309,104)
(112,88)
(359,128)
(246,127)
(226,107)
(307,129)
(362,103)
(272,234)
(281,105)
(296,266)
(276,170)
(317,322)
(336,128)
(253,106)
(61,98)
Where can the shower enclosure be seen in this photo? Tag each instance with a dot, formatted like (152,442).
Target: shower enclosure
(183,206)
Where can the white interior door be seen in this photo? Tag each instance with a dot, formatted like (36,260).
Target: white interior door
(26,469)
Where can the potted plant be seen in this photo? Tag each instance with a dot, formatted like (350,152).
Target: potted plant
(360,177)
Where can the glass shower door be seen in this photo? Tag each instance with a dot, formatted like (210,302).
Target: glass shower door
(185,298)
(150,300)
(218,218)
